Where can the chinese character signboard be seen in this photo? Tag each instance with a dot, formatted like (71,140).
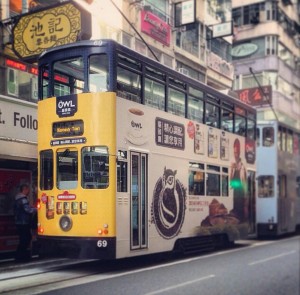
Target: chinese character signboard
(63,24)
(155,27)
(255,97)
(169,134)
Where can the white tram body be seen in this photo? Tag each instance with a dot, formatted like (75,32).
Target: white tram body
(278,180)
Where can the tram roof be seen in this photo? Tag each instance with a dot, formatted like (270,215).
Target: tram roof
(152,63)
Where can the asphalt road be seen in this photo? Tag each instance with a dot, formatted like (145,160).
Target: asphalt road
(256,268)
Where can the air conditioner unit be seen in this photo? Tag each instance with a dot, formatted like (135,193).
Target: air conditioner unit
(12,82)
(183,71)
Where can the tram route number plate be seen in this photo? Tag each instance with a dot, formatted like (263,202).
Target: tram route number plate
(102,243)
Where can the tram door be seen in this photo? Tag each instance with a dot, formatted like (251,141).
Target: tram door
(139,200)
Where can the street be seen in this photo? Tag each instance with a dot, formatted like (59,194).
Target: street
(250,267)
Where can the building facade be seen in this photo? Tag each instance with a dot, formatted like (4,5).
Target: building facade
(266,51)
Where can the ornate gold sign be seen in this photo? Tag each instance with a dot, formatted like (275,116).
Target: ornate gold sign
(63,24)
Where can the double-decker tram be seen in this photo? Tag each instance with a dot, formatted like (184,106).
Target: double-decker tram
(136,158)
(278,174)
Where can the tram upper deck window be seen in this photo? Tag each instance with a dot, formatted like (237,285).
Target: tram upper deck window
(98,73)
(68,76)
(67,169)
(154,94)
(176,102)
(45,80)
(251,131)
(128,84)
(95,167)
(212,115)
(195,105)
(268,136)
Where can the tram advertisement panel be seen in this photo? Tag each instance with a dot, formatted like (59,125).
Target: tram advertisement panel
(197,174)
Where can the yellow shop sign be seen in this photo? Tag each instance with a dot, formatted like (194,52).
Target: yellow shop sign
(59,25)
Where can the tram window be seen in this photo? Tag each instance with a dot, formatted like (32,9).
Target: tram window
(154,94)
(212,115)
(95,167)
(268,136)
(67,169)
(69,76)
(129,84)
(227,120)
(224,182)
(195,109)
(283,139)
(122,172)
(266,186)
(298,186)
(212,184)
(176,102)
(98,73)
(240,125)
(257,136)
(46,168)
(251,129)
(195,105)
(196,179)
(45,81)
(289,141)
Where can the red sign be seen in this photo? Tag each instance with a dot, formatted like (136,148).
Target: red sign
(65,196)
(255,97)
(155,27)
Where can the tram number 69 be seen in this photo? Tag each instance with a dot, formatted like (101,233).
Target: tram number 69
(102,244)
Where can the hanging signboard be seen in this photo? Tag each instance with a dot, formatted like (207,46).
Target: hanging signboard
(47,28)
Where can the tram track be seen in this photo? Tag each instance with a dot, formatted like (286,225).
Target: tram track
(17,279)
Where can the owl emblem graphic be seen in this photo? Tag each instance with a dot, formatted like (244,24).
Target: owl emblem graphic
(168,206)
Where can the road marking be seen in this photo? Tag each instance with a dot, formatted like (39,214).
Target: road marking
(271,258)
(180,285)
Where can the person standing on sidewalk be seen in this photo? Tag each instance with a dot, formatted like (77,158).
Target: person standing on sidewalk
(24,214)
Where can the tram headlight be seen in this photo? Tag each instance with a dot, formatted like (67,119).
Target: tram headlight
(65,223)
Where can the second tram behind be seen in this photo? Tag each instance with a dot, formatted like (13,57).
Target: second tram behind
(278,174)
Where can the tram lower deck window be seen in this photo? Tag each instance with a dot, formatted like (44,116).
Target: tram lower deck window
(95,167)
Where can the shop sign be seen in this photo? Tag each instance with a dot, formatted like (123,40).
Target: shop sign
(243,50)
(59,25)
(155,27)
(18,121)
(255,97)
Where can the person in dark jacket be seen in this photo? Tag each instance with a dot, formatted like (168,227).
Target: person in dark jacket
(23,219)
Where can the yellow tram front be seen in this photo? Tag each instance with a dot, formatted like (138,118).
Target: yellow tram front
(77,161)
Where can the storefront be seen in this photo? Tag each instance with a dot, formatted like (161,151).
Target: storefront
(18,161)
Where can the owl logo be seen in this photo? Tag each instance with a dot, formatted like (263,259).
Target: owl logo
(168,206)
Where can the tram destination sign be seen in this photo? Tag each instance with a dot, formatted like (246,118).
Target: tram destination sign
(67,128)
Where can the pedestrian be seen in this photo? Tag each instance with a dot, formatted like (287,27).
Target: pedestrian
(24,215)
